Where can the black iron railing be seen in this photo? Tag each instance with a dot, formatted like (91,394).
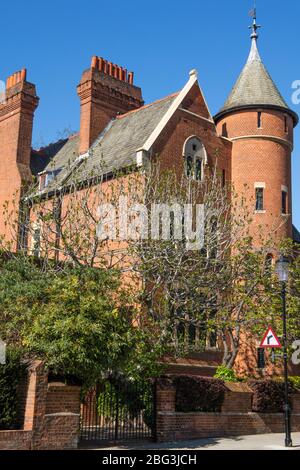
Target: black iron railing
(118,411)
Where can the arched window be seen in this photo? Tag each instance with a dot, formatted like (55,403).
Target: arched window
(195,158)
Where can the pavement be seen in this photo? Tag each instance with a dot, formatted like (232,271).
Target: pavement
(256,442)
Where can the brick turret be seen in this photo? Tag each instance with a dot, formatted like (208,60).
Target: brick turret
(257,120)
(105,90)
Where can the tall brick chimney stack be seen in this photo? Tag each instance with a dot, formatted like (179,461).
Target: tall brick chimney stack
(105,90)
(16,122)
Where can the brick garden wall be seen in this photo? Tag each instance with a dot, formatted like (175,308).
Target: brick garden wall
(236,417)
(15,440)
(62,398)
(51,414)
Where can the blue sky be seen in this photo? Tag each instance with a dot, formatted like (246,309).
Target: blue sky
(160,40)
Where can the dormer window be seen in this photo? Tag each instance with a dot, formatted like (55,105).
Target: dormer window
(194,159)
(42,181)
(46,178)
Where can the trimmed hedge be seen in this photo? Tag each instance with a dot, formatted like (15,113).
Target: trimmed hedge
(268,395)
(199,394)
(164,383)
(11,374)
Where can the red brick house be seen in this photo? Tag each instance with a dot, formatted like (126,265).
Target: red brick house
(253,133)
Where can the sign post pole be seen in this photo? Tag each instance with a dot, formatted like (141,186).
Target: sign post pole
(287,413)
(270,340)
(282,271)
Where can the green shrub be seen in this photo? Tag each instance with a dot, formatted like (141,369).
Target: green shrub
(295,381)
(11,375)
(226,374)
(199,394)
(268,395)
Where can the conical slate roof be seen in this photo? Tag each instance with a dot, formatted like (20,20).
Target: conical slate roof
(255,87)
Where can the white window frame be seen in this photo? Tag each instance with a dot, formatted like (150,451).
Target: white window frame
(195,155)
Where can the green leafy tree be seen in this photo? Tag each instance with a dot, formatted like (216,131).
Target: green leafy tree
(79,320)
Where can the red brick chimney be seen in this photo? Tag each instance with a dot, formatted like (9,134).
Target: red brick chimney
(105,90)
(16,121)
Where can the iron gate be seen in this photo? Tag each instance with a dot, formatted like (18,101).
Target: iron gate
(118,411)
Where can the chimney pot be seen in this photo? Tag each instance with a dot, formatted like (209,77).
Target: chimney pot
(130,78)
(100,64)
(23,75)
(94,63)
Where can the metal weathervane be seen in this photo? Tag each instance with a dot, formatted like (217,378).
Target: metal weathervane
(254,25)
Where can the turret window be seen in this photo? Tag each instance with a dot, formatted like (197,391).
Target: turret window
(284,202)
(224,130)
(259,119)
(259,199)
(286,128)
(194,159)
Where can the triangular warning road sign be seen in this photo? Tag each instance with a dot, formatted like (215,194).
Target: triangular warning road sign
(270,340)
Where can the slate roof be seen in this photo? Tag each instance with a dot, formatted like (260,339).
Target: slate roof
(255,87)
(114,149)
(296,235)
(39,159)
(65,156)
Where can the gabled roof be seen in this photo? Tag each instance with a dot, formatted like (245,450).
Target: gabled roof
(117,146)
(255,87)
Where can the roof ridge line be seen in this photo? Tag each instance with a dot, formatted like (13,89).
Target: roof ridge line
(171,110)
(172,95)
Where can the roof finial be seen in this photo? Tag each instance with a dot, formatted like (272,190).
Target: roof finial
(254,25)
